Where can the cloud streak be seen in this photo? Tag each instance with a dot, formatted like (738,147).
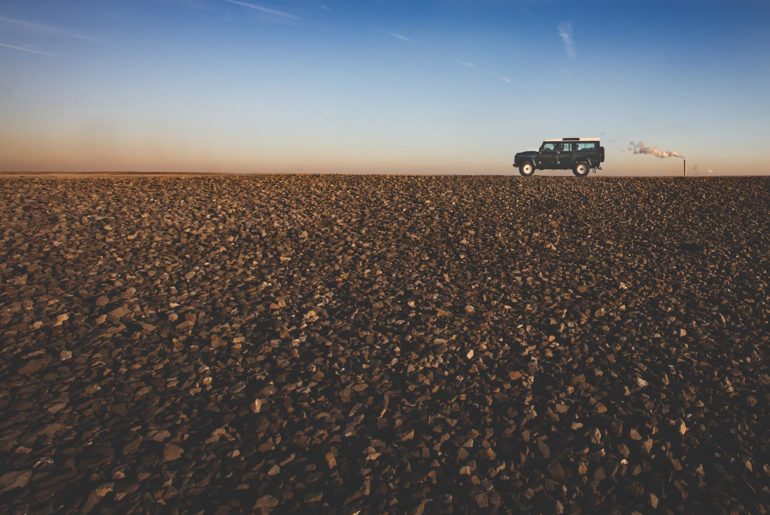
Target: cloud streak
(466,64)
(264,10)
(567,37)
(400,37)
(44,29)
(28,50)
(472,66)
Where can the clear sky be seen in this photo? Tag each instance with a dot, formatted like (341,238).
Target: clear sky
(380,85)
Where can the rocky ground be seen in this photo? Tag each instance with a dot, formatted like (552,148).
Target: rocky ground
(384,344)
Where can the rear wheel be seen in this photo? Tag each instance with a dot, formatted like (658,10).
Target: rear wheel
(527,169)
(581,169)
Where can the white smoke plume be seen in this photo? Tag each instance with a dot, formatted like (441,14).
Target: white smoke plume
(641,148)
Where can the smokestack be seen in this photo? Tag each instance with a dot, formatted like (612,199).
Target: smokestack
(684,161)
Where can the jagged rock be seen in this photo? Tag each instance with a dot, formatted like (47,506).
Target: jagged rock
(16,479)
(172,452)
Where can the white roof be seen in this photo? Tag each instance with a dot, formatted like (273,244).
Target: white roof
(571,139)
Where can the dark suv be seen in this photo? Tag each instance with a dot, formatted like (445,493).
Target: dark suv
(580,155)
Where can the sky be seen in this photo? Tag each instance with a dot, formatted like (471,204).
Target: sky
(379,86)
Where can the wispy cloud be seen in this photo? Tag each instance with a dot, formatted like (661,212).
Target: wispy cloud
(28,50)
(326,8)
(472,66)
(265,10)
(466,64)
(565,33)
(400,37)
(44,29)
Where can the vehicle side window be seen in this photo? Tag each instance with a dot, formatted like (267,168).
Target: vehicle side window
(586,146)
(567,147)
(548,147)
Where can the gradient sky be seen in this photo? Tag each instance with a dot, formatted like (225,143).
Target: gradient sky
(380,85)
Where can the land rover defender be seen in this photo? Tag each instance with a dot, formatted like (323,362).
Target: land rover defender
(581,155)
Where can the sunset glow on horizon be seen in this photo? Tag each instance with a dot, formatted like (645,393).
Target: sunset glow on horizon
(449,86)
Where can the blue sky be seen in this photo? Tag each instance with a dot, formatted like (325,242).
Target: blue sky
(381,85)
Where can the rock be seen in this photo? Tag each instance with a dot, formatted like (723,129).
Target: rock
(34,366)
(92,389)
(545,450)
(104,489)
(266,501)
(65,355)
(57,407)
(16,479)
(556,470)
(160,435)
(172,452)
(257,405)
(120,312)
(132,446)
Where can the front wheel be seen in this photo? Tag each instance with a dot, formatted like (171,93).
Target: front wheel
(581,170)
(527,169)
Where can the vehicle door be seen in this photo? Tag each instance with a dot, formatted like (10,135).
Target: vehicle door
(565,156)
(587,151)
(546,156)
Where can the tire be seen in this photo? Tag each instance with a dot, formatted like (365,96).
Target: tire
(527,169)
(581,169)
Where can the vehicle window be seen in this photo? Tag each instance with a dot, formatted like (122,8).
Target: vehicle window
(586,146)
(567,147)
(548,147)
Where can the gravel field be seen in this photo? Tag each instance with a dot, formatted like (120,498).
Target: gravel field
(346,344)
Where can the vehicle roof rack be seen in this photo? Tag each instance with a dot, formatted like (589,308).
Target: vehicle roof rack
(572,139)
